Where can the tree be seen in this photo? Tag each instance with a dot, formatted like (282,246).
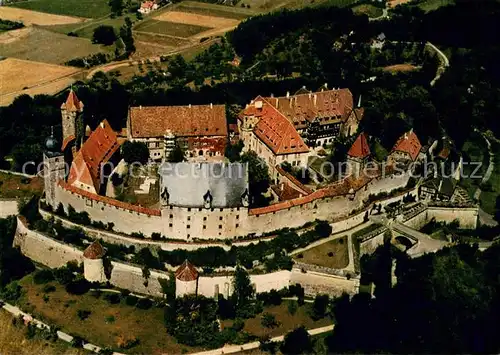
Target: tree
(243,290)
(127,37)
(176,155)
(135,152)
(293,307)
(233,151)
(258,175)
(268,320)
(116,7)
(320,306)
(104,34)
(298,341)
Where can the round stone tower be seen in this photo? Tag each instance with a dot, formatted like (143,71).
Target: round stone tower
(93,265)
(53,169)
(186,280)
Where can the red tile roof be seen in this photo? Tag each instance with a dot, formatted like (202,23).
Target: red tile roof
(97,150)
(94,251)
(328,106)
(108,200)
(72,102)
(183,121)
(408,143)
(285,192)
(186,272)
(360,148)
(67,141)
(277,132)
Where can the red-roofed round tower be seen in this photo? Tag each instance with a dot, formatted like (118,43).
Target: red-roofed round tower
(186,279)
(358,155)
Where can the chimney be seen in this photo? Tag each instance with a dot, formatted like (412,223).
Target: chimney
(282,186)
(277,103)
(272,95)
(288,94)
(315,99)
(140,107)
(326,85)
(359,101)
(189,105)
(406,135)
(211,105)
(102,124)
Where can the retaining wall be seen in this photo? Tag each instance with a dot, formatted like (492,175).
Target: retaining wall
(8,207)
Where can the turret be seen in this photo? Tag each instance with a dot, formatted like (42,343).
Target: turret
(186,280)
(54,169)
(72,120)
(93,264)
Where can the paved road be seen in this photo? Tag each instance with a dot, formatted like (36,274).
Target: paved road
(444,60)
(231,349)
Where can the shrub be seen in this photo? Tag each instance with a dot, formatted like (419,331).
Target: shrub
(104,34)
(83,314)
(77,342)
(156,236)
(43,276)
(96,293)
(320,306)
(11,292)
(144,303)
(63,275)
(131,300)
(238,324)
(109,319)
(78,286)
(112,298)
(293,307)
(268,320)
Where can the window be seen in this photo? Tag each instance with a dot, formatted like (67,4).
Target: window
(188,226)
(220,218)
(189,218)
(237,216)
(199,209)
(189,209)
(204,218)
(237,225)
(170,225)
(171,216)
(220,226)
(204,227)
(221,209)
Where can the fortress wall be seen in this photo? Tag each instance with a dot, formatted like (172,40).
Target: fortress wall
(419,220)
(315,283)
(125,221)
(370,245)
(43,249)
(467,217)
(8,208)
(130,277)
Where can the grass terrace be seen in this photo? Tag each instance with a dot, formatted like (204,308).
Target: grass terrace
(431,5)
(14,186)
(109,324)
(287,322)
(333,254)
(77,8)
(369,10)
(474,150)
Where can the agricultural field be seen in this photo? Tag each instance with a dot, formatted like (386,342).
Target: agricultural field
(107,325)
(333,254)
(400,68)
(40,45)
(37,18)
(78,8)
(236,12)
(431,5)
(86,30)
(28,77)
(169,28)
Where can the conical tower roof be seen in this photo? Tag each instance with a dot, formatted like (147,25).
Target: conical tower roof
(186,272)
(94,251)
(72,102)
(360,148)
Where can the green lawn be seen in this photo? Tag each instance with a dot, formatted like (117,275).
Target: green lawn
(474,150)
(333,254)
(431,5)
(236,12)
(287,321)
(13,186)
(108,324)
(369,10)
(170,28)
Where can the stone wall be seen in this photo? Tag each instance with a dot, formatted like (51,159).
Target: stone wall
(318,283)
(8,207)
(43,249)
(467,217)
(371,244)
(130,277)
